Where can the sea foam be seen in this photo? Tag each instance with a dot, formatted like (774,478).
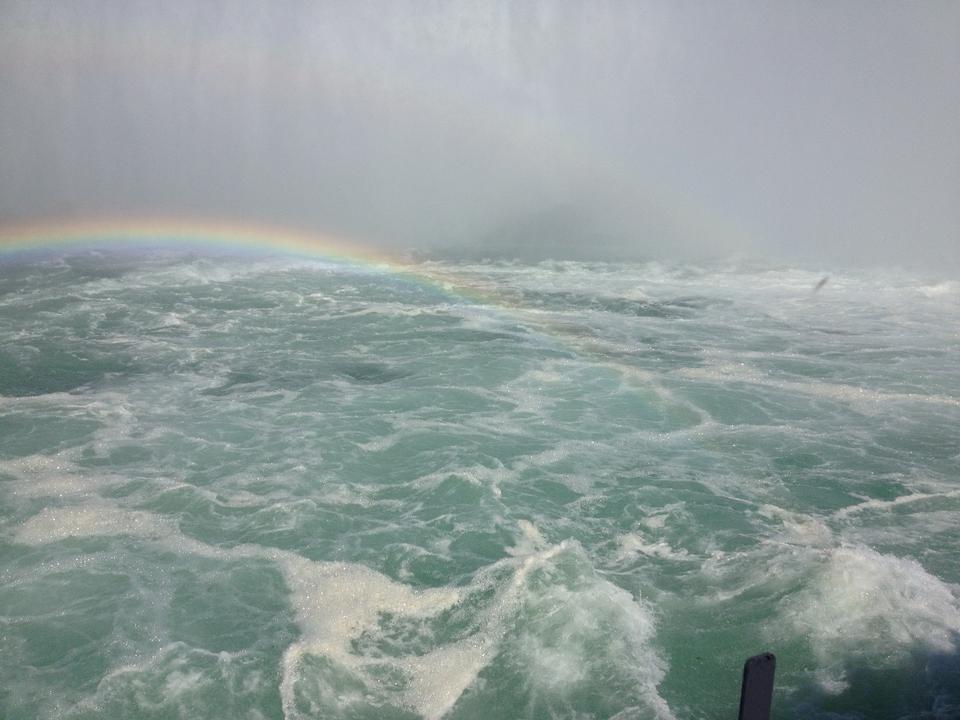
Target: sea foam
(867,607)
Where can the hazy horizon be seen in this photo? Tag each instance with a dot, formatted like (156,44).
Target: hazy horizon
(605,129)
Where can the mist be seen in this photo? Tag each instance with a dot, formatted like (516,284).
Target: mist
(817,131)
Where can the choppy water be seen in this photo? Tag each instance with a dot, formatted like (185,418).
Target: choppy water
(265,488)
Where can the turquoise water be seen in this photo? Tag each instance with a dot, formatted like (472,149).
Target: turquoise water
(272,488)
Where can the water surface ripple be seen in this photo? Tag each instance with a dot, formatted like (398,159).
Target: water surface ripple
(272,488)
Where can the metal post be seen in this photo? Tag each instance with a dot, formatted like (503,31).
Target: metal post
(756,691)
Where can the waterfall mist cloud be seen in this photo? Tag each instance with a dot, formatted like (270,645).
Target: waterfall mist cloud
(593,129)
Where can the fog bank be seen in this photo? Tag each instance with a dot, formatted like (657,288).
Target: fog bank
(593,129)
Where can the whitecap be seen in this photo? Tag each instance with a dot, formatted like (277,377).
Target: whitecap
(866,606)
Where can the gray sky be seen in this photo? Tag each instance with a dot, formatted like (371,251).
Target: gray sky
(809,129)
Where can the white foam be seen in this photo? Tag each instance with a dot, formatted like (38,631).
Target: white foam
(741,372)
(345,495)
(862,603)
(440,677)
(660,516)
(557,452)
(477,475)
(40,476)
(226,495)
(55,476)
(55,524)
(403,426)
(381,443)
(335,603)
(61,485)
(942,289)
(563,617)
(176,665)
(529,542)
(338,604)
(170,320)
(888,504)
(632,544)
(800,529)
(544,376)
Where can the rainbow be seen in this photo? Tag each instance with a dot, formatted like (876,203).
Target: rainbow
(198,234)
(152,231)
(217,234)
